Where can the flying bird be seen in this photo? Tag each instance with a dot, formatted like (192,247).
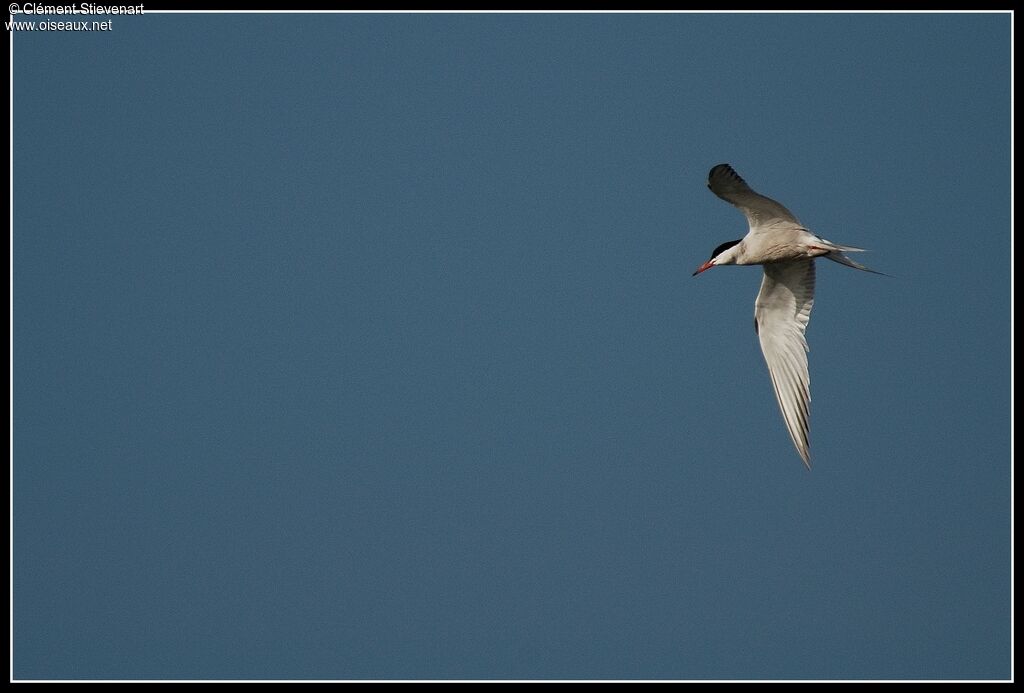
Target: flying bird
(786,250)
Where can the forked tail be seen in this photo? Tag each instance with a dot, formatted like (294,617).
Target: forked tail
(838,254)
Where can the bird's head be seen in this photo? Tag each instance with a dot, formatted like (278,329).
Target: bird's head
(724,254)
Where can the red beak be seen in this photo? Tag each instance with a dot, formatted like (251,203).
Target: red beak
(706,266)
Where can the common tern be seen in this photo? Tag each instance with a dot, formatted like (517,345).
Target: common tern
(786,250)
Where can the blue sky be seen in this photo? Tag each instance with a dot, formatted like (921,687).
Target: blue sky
(366,346)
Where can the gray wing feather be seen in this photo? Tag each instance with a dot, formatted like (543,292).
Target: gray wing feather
(759,210)
(781,314)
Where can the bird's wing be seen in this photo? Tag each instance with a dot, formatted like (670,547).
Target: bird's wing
(781,314)
(760,211)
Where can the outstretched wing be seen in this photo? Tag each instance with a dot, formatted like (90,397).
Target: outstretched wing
(759,210)
(781,314)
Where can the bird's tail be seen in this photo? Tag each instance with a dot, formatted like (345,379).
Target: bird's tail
(837,253)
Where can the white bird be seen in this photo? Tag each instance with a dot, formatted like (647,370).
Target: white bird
(786,250)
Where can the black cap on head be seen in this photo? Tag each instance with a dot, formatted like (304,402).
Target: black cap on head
(722,248)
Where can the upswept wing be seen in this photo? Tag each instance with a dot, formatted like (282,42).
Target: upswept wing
(760,211)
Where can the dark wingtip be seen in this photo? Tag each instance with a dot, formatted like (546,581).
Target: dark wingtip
(724,172)
(721,168)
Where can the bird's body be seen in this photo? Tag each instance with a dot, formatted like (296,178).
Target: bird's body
(786,249)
